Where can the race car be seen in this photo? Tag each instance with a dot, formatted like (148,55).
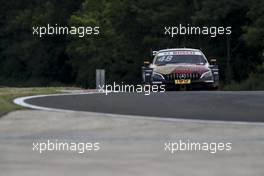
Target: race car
(182,68)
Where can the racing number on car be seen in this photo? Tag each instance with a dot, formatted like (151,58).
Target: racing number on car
(168,58)
(165,58)
(161,59)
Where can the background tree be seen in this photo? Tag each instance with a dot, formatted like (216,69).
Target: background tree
(129,31)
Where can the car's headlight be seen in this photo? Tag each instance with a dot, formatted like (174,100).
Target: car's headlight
(157,76)
(207,75)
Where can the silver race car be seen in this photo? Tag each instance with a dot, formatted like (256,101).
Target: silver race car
(182,68)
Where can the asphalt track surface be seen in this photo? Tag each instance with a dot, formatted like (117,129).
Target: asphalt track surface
(205,105)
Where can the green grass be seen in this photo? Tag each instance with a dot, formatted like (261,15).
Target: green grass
(254,82)
(8,94)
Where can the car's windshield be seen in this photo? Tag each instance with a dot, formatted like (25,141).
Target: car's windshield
(171,58)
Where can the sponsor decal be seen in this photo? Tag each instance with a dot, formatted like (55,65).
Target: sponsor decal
(183,52)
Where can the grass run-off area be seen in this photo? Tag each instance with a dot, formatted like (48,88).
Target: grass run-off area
(8,94)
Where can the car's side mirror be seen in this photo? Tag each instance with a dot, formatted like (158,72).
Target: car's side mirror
(213,61)
(154,53)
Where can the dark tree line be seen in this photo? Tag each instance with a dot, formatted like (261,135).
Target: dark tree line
(129,30)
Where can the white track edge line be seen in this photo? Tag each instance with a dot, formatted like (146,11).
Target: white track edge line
(21,101)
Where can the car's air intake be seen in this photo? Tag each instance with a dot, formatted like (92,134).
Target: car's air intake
(174,76)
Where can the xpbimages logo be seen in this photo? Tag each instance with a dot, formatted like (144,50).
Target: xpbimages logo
(187,145)
(80,31)
(56,145)
(146,89)
(212,31)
